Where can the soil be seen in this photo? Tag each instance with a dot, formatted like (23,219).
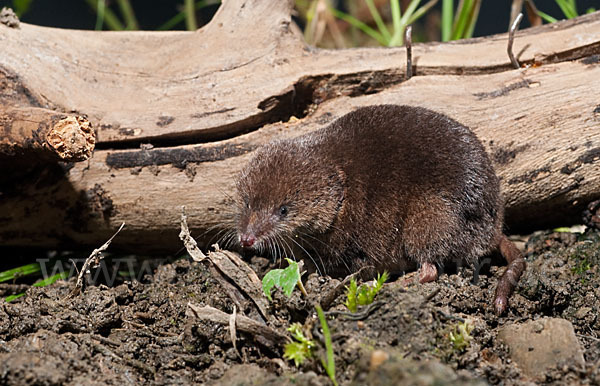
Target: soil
(141,331)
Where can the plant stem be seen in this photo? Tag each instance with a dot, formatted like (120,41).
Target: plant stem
(377,17)
(172,22)
(462,21)
(302,289)
(100,15)
(190,15)
(329,362)
(473,15)
(110,19)
(447,16)
(360,25)
(396,14)
(128,14)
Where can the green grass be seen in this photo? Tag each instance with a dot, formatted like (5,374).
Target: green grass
(329,361)
(19,272)
(29,270)
(567,7)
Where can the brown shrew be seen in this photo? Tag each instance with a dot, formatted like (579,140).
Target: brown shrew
(393,187)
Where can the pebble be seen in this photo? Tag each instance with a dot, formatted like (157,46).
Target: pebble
(538,345)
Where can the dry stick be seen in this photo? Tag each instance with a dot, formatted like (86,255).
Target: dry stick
(226,264)
(95,258)
(188,241)
(232,331)
(233,267)
(408,43)
(243,323)
(511,38)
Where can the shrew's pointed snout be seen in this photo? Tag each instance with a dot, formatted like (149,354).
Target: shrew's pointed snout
(247,240)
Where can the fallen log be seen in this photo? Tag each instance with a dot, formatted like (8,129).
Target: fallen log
(178,114)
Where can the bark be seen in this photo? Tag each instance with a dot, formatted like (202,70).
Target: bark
(178,114)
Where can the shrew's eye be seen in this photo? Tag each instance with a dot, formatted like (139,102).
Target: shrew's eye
(283,210)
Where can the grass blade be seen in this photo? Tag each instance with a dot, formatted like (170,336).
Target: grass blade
(421,11)
(100,15)
(461,22)
(128,14)
(41,283)
(546,17)
(567,9)
(360,25)
(396,14)
(172,22)
(110,19)
(377,18)
(18,272)
(329,362)
(190,15)
(447,17)
(49,280)
(13,297)
(473,15)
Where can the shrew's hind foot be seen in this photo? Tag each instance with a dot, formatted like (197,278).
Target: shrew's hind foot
(428,272)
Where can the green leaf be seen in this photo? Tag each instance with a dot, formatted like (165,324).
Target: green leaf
(300,350)
(289,278)
(296,351)
(286,279)
(271,279)
(363,295)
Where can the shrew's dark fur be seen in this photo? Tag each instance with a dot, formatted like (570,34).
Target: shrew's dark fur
(389,186)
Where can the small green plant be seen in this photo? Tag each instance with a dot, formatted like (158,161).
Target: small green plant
(300,349)
(461,336)
(365,294)
(286,279)
(329,361)
(581,268)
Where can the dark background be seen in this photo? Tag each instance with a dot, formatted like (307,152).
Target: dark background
(493,17)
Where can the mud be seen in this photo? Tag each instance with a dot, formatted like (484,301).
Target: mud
(139,332)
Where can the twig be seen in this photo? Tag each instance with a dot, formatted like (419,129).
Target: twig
(230,265)
(408,43)
(188,241)
(232,331)
(588,337)
(431,295)
(511,38)
(94,258)
(243,323)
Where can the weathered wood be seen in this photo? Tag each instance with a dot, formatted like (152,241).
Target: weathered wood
(44,135)
(205,106)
